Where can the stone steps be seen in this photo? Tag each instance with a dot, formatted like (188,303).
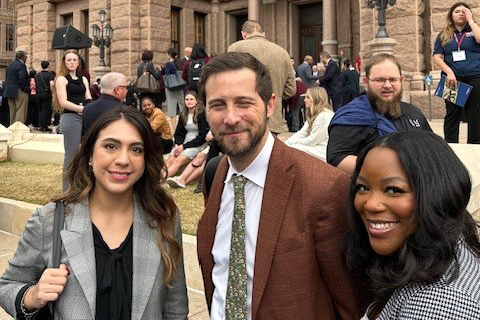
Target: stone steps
(44,137)
(36,151)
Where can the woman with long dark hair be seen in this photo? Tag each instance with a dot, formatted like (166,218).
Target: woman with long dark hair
(70,94)
(193,67)
(411,235)
(457,53)
(190,135)
(121,254)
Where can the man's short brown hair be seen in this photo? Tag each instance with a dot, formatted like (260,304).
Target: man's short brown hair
(232,61)
(379,58)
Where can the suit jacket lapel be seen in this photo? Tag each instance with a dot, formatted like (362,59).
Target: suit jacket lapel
(78,243)
(207,227)
(146,261)
(275,195)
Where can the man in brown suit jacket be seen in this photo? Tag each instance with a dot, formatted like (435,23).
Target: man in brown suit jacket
(295,209)
(278,63)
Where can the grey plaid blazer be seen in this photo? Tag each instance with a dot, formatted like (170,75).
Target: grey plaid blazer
(151,297)
(442,300)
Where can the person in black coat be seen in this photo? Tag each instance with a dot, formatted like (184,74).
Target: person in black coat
(114,87)
(44,81)
(17,88)
(350,81)
(4,116)
(155,70)
(33,111)
(331,80)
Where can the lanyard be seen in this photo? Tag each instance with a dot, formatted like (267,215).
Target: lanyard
(459,43)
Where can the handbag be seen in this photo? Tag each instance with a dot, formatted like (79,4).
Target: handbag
(58,221)
(146,83)
(174,81)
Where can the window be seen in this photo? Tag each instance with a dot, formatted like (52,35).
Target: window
(175,27)
(67,19)
(9,40)
(199,22)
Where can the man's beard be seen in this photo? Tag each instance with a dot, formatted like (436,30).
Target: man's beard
(388,108)
(234,147)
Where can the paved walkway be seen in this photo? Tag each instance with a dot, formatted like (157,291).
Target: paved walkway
(437,127)
(197,305)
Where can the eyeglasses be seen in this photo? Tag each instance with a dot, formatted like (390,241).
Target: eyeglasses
(126,86)
(382,81)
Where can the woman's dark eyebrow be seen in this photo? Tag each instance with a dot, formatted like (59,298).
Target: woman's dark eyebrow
(393,179)
(119,142)
(361,178)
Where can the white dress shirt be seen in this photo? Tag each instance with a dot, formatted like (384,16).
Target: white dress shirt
(256,174)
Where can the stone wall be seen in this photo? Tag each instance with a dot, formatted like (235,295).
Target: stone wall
(345,27)
(7,16)
(145,24)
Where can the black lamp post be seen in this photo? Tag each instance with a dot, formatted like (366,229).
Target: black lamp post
(102,36)
(382,7)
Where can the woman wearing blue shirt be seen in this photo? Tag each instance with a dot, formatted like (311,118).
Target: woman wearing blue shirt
(457,53)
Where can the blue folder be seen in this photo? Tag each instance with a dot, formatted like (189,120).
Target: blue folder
(458,95)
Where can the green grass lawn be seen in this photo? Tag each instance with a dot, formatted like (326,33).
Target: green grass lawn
(38,183)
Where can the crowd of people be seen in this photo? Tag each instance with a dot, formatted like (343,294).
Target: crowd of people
(361,214)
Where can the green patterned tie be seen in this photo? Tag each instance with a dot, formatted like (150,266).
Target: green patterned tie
(236,301)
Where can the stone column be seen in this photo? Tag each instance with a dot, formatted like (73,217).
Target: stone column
(3,38)
(43,28)
(330,42)
(254,10)
(125,47)
(382,45)
(215,27)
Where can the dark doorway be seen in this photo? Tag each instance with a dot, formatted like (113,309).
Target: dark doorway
(311,30)
(240,20)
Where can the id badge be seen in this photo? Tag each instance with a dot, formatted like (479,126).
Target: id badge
(459,55)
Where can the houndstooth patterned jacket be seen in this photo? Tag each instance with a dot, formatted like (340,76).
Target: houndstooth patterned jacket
(442,300)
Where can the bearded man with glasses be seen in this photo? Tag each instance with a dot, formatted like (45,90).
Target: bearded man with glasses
(375,114)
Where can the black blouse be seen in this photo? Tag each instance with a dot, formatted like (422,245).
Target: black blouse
(114,278)
(75,91)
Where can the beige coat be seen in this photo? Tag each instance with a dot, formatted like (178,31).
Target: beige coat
(278,63)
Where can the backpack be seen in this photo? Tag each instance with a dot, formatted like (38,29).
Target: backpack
(209,173)
(194,71)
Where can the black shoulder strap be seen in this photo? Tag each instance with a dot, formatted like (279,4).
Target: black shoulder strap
(47,89)
(210,169)
(58,222)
